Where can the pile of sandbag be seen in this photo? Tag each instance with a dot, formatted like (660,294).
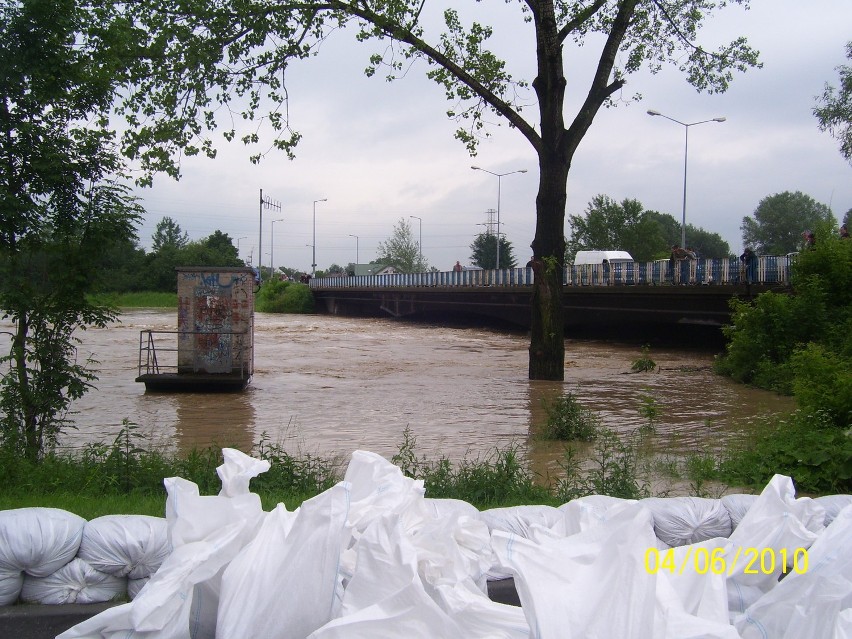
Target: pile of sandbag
(372,557)
(50,556)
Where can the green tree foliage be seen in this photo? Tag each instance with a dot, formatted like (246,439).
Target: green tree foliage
(401,250)
(834,108)
(63,207)
(175,249)
(276,296)
(168,235)
(484,252)
(200,56)
(626,226)
(799,344)
(609,225)
(780,219)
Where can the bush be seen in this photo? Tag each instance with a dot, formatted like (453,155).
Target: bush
(568,420)
(276,296)
(806,446)
(823,381)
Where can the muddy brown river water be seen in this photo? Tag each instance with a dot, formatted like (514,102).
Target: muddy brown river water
(329,385)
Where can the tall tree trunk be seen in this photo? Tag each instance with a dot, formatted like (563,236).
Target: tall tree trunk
(547,326)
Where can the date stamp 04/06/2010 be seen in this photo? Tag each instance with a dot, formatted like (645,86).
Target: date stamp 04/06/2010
(717,561)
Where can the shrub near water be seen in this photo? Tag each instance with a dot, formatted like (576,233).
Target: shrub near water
(276,296)
(806,446)
(568,420)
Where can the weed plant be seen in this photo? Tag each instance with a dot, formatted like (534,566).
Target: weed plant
(644,364)
(611,470)
(568,420)
(649,408)
(499,478)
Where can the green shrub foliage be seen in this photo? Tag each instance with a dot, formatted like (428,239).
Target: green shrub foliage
(799,344)
(285,297)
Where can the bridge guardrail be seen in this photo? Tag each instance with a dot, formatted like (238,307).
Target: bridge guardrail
(769,269)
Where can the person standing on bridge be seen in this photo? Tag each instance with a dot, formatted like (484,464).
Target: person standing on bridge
(457,267)
(749,262)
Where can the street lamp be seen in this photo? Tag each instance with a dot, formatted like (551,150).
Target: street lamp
(499,176)
(271,244)
(314,245)
(685,126)
(356,248)
(420,244)
(238,245)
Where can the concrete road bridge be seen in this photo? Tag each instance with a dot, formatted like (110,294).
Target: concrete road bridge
(694,292)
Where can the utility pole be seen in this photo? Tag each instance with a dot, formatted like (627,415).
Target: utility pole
(269,204)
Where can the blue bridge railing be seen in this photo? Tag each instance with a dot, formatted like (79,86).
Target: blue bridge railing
(768,269)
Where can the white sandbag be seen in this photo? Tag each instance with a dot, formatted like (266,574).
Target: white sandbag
(206,533)
(378,487)
(295,556)
(419,585)
(810,601)
(10,587)
(776,522)
(737,506)
(75,583)
(134,586)
(674,620)
(38,541)
(679,521)
(833,504)
(519,519)
(593,584)
(585,512)
(440,508)
(131,545)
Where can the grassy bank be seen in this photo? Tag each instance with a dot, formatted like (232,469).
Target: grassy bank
(142,299)
(126,476)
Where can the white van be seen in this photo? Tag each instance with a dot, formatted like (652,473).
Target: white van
(599,257)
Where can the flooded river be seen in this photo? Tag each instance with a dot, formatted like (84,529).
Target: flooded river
(330,385)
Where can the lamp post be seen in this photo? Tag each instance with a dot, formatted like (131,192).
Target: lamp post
(271,245)
(238,245)
(314,245)
(685,126)
(420,244)
(356,248)
(499,177)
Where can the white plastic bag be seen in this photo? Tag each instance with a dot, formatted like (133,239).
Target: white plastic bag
(833,504)
(679,521)
(520,519)
(131,545)
(283,584)
(592,584)
(586,512)
(737,506)
(776,524)
(206,532)
(76,582)
(10,587)
(815,599)
(38,541)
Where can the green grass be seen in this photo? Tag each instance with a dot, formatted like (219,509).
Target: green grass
(141,299)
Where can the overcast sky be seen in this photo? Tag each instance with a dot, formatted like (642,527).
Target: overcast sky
(380,152)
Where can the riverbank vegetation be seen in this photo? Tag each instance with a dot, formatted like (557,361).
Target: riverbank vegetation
(276,296)
(799,345)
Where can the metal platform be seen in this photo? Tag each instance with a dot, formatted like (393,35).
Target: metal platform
(193,382)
